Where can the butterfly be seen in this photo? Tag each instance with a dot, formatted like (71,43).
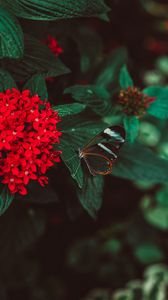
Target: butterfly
(102,150)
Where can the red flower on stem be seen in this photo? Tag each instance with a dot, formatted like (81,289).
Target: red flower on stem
(53,45)
(28,133)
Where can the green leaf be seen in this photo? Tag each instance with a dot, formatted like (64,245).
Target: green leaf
(71,159)
(97,98)
(158,108)
(109,71)
(37,85)
(131,125)
(6,81)
(69,109)
(6,199)
(78,130)
(148,253)
(137,162)
(55,10)
(37,59)
(91,194)
(125,78)
(11,43)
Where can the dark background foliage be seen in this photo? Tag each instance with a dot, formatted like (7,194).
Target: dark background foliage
(50,246)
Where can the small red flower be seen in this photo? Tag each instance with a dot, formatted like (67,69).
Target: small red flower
(134,102)
(52,43)
(28,133)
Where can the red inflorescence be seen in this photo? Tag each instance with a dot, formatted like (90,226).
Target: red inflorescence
(27,136)
(52,43)
(134,102)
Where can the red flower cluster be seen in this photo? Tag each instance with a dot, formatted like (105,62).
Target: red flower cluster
(27,135)
(134,102)
(52,43)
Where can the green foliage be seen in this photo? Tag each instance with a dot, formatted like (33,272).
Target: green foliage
(95,97)
(37,85)
(158,108)
(116,241)
(11,43)
(6,81)
(55,10)
(71,159)
(37,59)
(131,125)
(153,286)
(91,195)
(125,79)
(6,199)
(110,68)
(136,162)
(69,109)
(78,129)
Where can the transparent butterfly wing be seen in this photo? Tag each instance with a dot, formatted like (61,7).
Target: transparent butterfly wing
(100,153)
(114,135)
(98,164)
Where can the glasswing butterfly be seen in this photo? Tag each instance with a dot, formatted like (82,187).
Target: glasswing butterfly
(101,151)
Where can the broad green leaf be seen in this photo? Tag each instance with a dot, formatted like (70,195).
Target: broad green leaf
(78,130)
(56,9)
(110,68)
(37,85)
(11,42)
(131,125)
(125,79)
(97,98)
(148,253)
(6,81)
(37,59)
(69,109)
(91,194)
(136,162)
(71,159)
(6,199)
(159,107)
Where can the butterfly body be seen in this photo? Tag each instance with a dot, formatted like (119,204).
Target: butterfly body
(101,151)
